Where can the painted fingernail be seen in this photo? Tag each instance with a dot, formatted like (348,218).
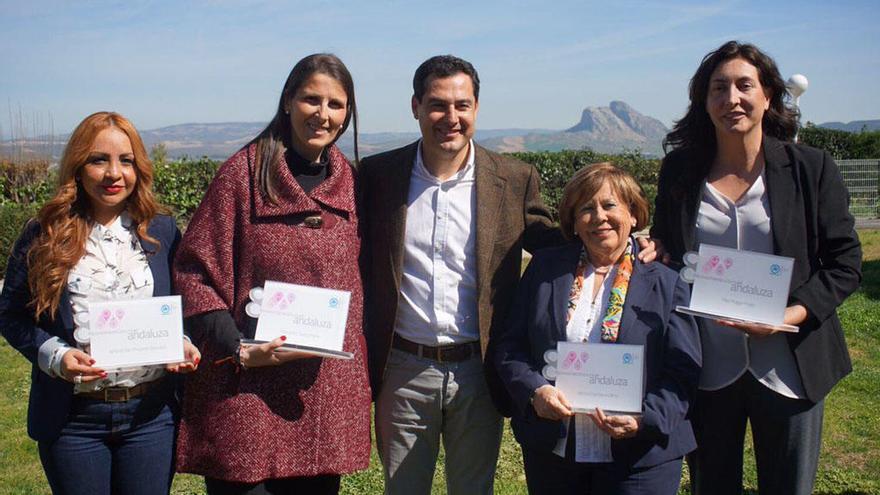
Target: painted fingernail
(284,337)
(91,362)
(196,361)
(104,374)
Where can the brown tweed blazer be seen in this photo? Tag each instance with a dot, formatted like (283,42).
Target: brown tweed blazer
(510,217)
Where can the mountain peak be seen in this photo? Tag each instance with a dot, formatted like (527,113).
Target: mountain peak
(619,121)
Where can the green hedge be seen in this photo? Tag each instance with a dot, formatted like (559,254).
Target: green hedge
(12,220)
(181,184)
(842,145)
(556,167)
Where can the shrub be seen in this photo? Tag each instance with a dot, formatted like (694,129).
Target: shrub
(556,167)
(25,182)
(12,220)
(842,145)
(181,184)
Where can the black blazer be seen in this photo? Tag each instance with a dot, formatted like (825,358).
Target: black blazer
(50,397)
(672,354)
(811,223)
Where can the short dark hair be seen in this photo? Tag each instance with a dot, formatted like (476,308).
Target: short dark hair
(696,131)
(440,66)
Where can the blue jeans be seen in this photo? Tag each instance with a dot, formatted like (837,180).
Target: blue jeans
(114,447)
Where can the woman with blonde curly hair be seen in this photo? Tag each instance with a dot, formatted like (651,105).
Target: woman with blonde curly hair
(100,238)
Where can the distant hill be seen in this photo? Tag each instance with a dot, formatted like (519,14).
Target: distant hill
(608,129)
(854,126)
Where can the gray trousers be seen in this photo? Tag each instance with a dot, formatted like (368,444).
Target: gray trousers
(787,434)
(423,401)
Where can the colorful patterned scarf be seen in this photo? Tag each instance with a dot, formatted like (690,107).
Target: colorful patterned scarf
(611,321)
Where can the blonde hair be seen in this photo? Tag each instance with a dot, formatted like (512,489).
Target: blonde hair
(587,181)
(65,220)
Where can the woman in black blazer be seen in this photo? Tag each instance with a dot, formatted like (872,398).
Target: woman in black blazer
(735,179)
(100,238)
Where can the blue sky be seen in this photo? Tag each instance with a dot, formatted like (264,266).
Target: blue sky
(541,63)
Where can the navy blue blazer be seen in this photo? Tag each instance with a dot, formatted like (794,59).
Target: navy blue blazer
(672,354)
(50,397)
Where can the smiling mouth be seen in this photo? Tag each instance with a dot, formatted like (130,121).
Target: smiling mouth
(318,130)
(449,133)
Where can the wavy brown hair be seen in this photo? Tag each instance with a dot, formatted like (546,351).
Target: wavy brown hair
(695,130)
(66,219)
(274,140)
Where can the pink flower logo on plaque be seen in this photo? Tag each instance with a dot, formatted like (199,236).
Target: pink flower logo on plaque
(714,264)
(110,319)
(573,361)
(280,300)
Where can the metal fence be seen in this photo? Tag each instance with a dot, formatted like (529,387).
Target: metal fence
(862,178)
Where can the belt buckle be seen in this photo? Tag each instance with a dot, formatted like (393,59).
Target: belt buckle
(113,394)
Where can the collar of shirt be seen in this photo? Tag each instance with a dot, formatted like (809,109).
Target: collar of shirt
(466,172)
(119,230)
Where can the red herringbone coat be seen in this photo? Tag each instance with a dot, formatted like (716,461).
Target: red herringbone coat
(304,418)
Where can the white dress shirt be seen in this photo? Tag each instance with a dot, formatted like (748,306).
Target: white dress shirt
(113,267)
(585,325)
(438,287)
(727,352)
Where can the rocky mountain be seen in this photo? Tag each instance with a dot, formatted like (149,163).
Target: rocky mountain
(610,129)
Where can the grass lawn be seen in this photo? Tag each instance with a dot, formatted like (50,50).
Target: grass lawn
(850,462)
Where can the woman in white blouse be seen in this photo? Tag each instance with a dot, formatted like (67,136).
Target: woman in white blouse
(99,238)
(735,179)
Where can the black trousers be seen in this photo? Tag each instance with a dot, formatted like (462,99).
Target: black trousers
(787,435)
(318,485)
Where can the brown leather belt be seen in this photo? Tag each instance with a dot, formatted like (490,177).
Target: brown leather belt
(453,353)
(120,394)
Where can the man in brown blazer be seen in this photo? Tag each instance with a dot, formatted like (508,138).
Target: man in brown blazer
(445,224)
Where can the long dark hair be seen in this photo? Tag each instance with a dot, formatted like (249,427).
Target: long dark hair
(274,140)
(695,130)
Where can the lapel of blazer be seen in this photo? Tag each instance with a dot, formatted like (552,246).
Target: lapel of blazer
(781,191)
(153,252)
(399,173)
(689,212)
(66,312)
(490,184)
(640,284)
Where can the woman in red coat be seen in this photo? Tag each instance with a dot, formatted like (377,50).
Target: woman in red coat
(283,209)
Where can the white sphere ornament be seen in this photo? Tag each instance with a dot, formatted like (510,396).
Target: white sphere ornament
(797,85)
